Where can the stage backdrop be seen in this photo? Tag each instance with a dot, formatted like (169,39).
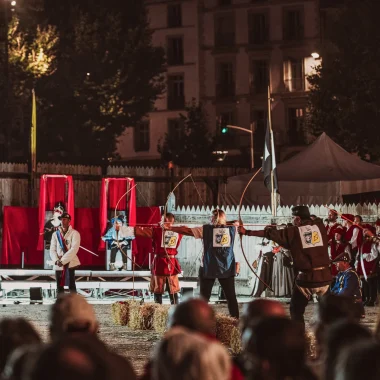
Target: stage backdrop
(20,234)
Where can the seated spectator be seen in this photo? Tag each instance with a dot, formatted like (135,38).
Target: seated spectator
(339,336)
(333,308)
(361,361)
(347,282)
(72,313)
(15,333)
(275,349)
(80,357)
(186,355)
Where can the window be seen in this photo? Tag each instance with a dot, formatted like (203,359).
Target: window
(175,51)
(293,24)
(225,80)
(225,30)
(260,118)
(258,28)
(142,136)
(260,76)
(175,128)
(296,131)
(174,15)
(176,91)
(294,74)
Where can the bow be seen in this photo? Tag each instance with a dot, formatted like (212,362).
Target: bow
(241,236)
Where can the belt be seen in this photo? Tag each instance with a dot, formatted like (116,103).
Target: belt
(312,270)
(171,256)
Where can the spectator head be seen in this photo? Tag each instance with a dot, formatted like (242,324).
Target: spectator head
(333,308)
(276,348)
(260,308)
(71,313)
(361,361)
(190,356)
(15,333)
(75,357)
(194,314)
(339,336)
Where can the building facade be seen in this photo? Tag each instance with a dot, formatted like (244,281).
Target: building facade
(226,53)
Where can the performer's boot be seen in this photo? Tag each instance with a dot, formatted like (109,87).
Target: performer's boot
(124,266)
(158,298)
(173,298)
(112,266)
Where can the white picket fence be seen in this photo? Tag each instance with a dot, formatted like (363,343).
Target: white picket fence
(256,218)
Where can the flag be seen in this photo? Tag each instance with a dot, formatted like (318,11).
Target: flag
(33,134)
(269,162)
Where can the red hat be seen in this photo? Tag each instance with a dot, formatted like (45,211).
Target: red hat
(340,230)
(378,222)
(368,226)
(349,217)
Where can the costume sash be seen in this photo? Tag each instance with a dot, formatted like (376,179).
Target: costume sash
(65,276)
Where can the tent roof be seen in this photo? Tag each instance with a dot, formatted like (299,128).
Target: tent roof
(325,161)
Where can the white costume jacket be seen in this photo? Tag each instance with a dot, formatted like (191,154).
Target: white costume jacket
(72,240)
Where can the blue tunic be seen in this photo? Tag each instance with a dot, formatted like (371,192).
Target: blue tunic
(347,284)
(218,258)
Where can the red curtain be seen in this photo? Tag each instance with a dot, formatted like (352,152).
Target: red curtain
(53,190)
(145,215)
(21,233)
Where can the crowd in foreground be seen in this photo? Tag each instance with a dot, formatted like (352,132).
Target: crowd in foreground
(273,346)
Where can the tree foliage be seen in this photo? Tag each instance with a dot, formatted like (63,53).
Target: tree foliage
(192,145)
(345,95)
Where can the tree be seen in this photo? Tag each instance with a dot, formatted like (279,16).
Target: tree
(108,77)
(190,144)
(345,95)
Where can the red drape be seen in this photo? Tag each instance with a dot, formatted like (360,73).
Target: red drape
(53,190)
(113,196)
(21,232)
(146,215)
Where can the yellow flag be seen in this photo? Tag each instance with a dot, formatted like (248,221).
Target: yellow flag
(33,136)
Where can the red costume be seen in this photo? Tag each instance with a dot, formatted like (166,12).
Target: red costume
(162,264)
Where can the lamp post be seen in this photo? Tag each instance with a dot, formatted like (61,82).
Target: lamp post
(251,131)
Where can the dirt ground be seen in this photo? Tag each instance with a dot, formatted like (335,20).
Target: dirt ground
(136,345)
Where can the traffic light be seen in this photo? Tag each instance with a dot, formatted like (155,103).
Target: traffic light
(223,125)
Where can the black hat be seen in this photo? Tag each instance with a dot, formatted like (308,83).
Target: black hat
(301,211)
(343,257)
(65,215)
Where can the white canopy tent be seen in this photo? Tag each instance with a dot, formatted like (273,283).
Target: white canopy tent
(321,174)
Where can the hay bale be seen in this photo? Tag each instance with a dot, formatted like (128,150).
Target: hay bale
(226,329)
(116,313)
(135,321)
(160,318)
(147,311)
(121,312)
(235,341)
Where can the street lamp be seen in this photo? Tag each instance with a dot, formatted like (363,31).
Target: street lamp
(251,130)
(315,55)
